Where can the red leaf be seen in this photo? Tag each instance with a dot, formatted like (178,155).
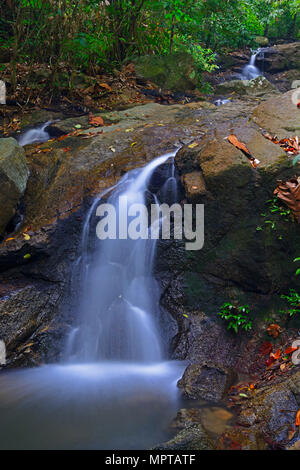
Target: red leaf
(298,419)
(276,355)
(265,348)
(290,350)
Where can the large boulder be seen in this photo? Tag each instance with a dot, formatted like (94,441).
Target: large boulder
(281,58)
(206,382)
(258,86)
(176,72)
(13,179)
(279,115)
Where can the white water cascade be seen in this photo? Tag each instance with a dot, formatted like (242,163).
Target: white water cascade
(251,71)
(38,134)
(115,389)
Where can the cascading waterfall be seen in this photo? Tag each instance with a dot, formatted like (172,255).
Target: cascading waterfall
(114,389)
(120,303)
(32,136)
(250,71)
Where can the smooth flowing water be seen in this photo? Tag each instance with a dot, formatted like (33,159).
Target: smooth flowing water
(38,134)
(116,389)
(251,71)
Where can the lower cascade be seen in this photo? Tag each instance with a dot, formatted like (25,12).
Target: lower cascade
(115,387)
(32,136)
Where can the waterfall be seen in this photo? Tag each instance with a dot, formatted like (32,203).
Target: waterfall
(114,389)
(38,134)
(118,313)
(250,71)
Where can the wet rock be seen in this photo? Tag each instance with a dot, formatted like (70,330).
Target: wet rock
(258,86)
(176,72)
(242,439)
(131,118)
(279,115)
(282,57)
(13,179)
(272,410)
(205,381)
(190,438)
(194,186)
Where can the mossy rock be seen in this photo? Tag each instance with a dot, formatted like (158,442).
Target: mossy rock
(176,72)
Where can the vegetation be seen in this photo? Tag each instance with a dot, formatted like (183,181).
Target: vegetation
(293,298)
(90,33)
(236,316)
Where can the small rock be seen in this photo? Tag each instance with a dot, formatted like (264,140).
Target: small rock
(191,438)
(204,381)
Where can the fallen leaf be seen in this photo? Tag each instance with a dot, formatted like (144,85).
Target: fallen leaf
(289,192)
(240,145)
(276,355)
(265,348)
(67,149)
(95,121)
(26,236)
(290,350)
(193,145)
(292,432)
(104,85)
(298,419)
(27,256)
(274,330)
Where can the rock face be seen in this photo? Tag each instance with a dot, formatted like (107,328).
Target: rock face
(259,86)
(282,57)
(176,72)
(238,262)
(279,115)
(272,411)
(64,176)
(13,179)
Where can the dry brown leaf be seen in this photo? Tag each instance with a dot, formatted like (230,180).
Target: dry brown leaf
(289,192)
(96,121)
(240,145)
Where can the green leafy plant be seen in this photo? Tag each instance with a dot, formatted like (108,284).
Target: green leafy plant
(271,216)
(236,316)
(294,301)
(298,270)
